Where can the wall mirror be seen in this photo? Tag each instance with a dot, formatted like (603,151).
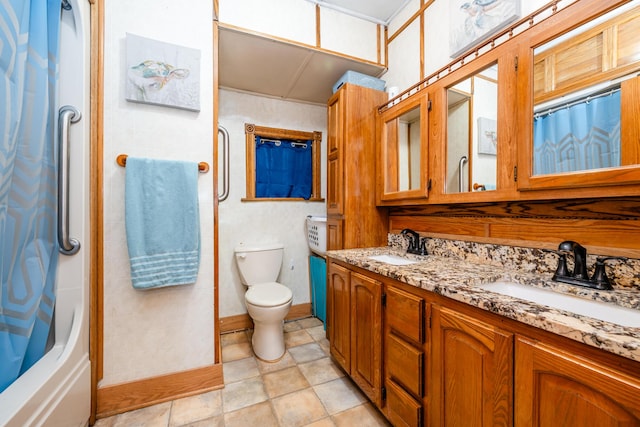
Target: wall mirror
(472,116)
(585,87)
(402,132)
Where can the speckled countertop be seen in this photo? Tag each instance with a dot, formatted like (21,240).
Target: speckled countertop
(459,278)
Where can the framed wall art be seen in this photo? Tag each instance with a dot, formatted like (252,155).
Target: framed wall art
(472,21)
(162,73)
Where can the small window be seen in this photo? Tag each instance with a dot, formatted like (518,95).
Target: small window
(282,164)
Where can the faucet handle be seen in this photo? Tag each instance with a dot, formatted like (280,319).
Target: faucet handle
(600,274)
(562,270)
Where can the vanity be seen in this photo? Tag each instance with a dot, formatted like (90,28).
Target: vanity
(430,343)
(469,155)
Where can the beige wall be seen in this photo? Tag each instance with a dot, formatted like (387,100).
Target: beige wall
(154,332)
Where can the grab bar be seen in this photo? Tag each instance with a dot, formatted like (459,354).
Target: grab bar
(67,115)
(461,163)
(225,164)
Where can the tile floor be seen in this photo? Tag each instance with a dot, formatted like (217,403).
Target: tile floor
(304,388)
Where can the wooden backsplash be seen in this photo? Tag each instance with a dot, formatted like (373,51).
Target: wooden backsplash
(604,226)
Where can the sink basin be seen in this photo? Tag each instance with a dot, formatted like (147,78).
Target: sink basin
(392,259)
(594,309)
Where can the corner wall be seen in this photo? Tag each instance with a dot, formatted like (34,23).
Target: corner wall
(264,222)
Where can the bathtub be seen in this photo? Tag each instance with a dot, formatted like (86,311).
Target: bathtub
(56,390)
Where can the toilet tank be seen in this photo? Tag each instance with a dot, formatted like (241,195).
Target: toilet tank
(259,263)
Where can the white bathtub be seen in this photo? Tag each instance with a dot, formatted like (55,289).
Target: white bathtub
(56,391)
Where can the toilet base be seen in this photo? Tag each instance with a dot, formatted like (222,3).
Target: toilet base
(268,331)
(268,341)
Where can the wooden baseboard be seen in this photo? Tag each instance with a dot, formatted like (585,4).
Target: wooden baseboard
(116,399)
(243,321)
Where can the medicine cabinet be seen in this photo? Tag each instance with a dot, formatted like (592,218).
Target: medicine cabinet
(402,151)
(472,137)
(581,110)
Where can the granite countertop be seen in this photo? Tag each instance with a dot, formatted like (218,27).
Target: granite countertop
(460,280)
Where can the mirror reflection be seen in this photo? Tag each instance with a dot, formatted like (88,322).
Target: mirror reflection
(472,133)
(583,84)
(403,152)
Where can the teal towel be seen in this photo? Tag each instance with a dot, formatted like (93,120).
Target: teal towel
(162,222)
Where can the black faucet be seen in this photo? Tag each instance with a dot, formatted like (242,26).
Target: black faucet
(417,245)
(579,276)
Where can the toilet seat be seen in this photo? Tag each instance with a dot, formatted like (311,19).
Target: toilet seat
(268,294)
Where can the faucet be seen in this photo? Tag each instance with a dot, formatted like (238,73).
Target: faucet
(579,276)
(579,257)
(417,245)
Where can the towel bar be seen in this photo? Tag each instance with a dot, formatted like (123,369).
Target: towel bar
(203,167)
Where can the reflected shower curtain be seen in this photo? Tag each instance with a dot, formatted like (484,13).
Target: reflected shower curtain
(29,38)
(581,137)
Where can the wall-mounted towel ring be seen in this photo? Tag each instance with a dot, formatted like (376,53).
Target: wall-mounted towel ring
(203,167)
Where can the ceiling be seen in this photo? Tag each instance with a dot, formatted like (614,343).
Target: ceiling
(256,64)
(379,11)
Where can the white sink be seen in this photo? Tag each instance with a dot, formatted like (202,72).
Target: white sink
(594,309)
(392,259)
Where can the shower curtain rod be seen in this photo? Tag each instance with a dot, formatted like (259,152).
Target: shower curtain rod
(580,100)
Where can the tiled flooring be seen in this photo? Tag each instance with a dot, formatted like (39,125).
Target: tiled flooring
(304,388)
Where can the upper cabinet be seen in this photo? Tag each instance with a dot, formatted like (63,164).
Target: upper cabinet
(581,121)
(402,152)
(472,124)
(548,109)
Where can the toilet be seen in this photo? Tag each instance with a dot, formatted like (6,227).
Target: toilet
(267,301)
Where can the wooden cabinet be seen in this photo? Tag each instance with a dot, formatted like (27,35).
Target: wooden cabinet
(556,388)
(471,371)
(404,343)
(354,323)
(402,153)
(351,158)
(424,360)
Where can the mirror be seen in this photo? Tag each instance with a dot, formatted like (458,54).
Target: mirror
(585,89)
(402,150)
(472,116)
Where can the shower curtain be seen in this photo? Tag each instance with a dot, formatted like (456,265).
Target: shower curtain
(29,37)
(580,137)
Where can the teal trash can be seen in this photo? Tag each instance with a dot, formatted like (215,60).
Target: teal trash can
(318,278)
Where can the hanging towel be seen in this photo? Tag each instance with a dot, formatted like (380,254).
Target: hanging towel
(162,222)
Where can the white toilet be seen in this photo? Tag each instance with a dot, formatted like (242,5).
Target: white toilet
(267,301)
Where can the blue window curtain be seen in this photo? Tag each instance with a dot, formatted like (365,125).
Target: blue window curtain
(580,137)
(283,168)
(29,39)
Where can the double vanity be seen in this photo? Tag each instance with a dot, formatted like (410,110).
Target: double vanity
(453,338)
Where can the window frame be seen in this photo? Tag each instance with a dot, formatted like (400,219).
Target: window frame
(251,131)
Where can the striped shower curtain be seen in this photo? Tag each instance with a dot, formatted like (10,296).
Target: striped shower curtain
(29,39)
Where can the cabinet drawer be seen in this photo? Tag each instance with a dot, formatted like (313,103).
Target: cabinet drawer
(402,409)
(405,364)
(405,314)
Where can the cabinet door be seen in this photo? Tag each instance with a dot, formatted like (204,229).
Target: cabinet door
(472,371)
(335,129)
(554,388)
(338,314)
(334,233)
(366,331)
(335,185)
